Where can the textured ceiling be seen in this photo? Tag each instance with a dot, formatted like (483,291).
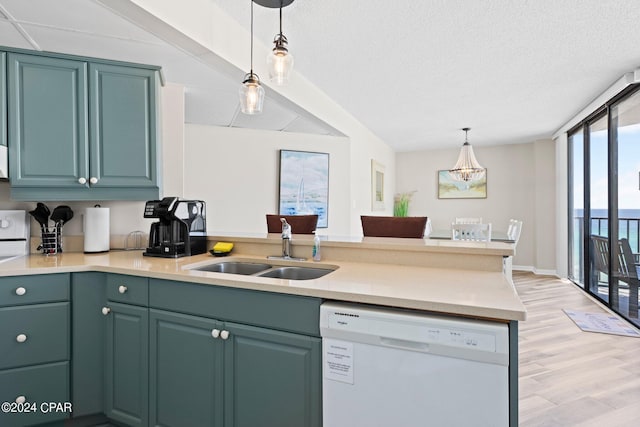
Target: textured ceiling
(414,71)
(86,27)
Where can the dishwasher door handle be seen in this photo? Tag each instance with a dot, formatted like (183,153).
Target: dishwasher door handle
(404,344)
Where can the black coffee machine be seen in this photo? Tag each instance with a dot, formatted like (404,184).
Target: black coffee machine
(181,229)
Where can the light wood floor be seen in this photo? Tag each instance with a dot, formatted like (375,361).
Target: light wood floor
(569,377)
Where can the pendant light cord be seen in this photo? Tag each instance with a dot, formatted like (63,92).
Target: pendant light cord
(281,18)
(251,37)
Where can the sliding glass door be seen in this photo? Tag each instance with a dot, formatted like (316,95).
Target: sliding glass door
(604,204)
(598,147)
(625,122)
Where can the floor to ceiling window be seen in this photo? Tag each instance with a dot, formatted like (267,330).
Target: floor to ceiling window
(604,203)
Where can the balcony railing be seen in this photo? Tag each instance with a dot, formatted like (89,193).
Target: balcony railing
(628,228)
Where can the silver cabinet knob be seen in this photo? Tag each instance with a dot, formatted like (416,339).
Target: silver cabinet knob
(21,338)
(122,289)
(93,180)
(224,335)
(82,180)
(215,333)
(20,400)
(21,291)
(106,310)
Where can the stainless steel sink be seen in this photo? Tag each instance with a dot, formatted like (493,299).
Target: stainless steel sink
(259,269)
(295,273)
(234,267)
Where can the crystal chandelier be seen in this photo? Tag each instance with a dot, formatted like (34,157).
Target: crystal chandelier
(467,167)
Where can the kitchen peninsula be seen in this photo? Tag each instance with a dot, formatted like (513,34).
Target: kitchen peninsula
(117,310)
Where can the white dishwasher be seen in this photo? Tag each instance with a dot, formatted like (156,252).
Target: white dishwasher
(385,367)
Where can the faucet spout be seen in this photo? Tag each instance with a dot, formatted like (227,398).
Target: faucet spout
(286,238)
(286,229)
(286,243)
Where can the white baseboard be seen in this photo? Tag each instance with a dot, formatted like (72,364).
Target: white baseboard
(534,270)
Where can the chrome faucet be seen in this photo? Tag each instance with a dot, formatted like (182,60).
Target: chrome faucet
(286,239)
(286,243)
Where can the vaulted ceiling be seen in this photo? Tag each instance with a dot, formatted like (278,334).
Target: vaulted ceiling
(413,72)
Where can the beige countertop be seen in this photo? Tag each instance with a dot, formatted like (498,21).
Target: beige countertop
(485,294)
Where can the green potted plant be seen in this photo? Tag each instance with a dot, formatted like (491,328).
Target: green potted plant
(401,203)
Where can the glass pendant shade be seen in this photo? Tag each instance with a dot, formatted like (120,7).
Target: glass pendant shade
(467,167)
(280,61)
(251,94)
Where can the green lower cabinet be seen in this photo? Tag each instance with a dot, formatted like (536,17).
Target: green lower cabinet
(88,330)
(186,371)
(127,364)
(272,378)
(205,372)
(37,386)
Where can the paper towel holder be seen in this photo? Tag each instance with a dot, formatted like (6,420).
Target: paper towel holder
(96,230)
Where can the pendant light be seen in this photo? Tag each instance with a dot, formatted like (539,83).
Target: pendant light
(251,92)
(280,61)
(467,167)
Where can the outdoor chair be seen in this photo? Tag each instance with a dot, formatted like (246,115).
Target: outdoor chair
(626,267)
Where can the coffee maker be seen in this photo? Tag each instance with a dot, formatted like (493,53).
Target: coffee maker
(181,229)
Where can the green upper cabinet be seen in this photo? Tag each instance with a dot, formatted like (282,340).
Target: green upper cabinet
(81,129)
(123,126)
(48,124)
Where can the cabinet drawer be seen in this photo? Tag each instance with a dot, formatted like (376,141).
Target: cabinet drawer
(38,384)
(128,289)
(33,334)
(285,312)
(20,290)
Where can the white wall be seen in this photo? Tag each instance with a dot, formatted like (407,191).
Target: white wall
(520,185)
(562,206)
(235,171)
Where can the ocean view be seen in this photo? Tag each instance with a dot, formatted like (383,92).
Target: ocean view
(628,225)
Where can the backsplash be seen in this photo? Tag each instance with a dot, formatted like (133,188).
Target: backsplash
(126,216)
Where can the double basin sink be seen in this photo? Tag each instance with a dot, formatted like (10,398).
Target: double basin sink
(248,268)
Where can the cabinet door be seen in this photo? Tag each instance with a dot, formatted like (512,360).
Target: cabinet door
(123,126)
(88,342)
(48,122)
(3,100)
(272,378)
(185,370)
(127,364)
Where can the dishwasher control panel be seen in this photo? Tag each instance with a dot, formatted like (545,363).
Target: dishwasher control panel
(415,331)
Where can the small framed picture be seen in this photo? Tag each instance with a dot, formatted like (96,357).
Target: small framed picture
(377,186)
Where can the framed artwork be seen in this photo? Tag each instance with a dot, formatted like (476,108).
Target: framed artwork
(449,188)
(377,186)
(304,184)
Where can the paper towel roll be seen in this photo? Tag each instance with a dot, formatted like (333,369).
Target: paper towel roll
(96,230)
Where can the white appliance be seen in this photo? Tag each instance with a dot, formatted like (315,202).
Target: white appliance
(14,234)
(96,229)
(385,367)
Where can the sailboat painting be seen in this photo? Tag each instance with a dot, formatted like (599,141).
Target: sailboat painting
(304,184)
